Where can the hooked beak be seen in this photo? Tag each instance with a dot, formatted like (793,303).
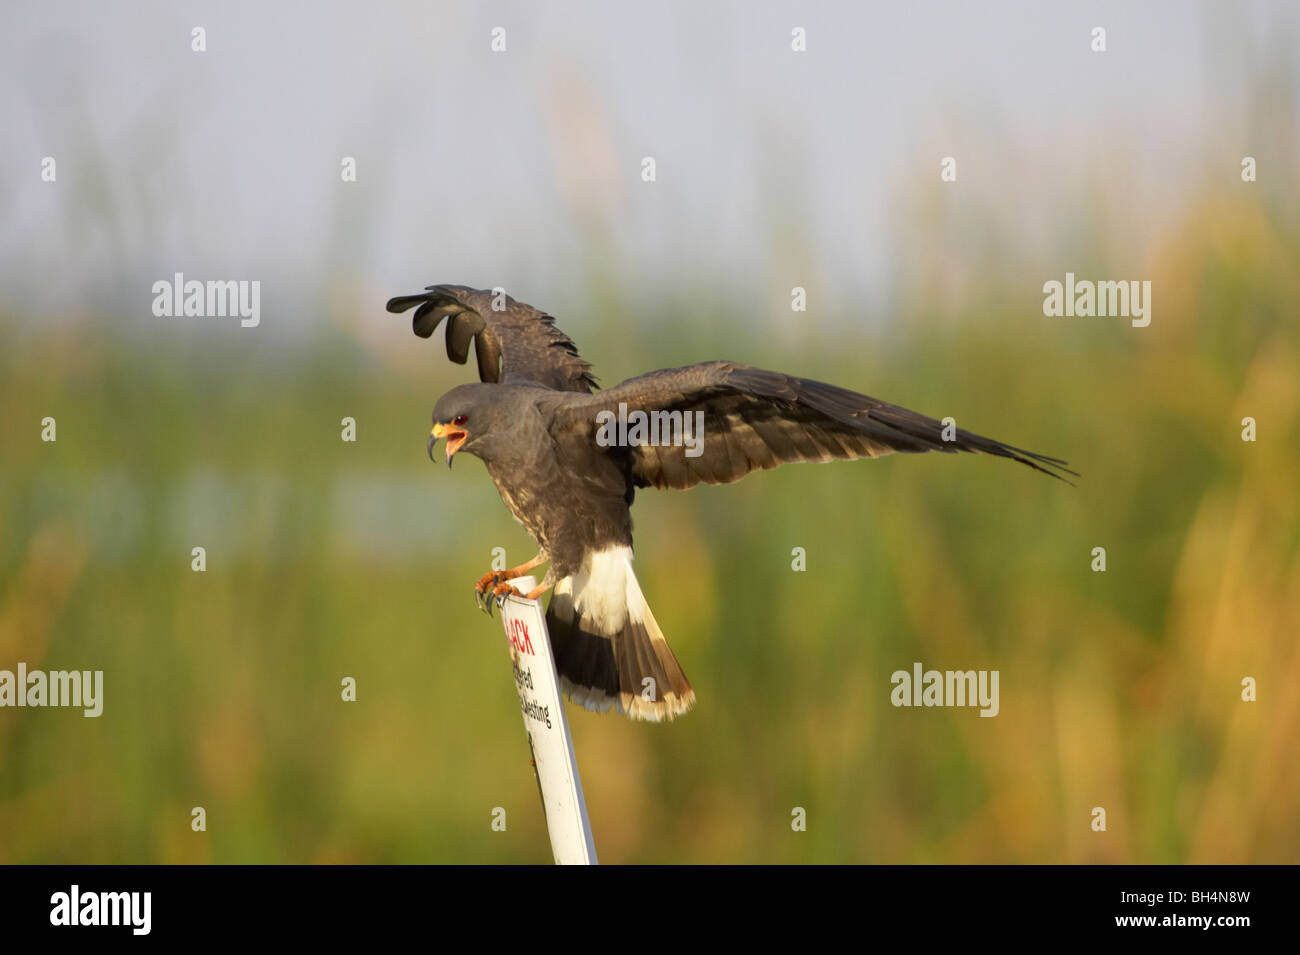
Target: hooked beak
(455,438)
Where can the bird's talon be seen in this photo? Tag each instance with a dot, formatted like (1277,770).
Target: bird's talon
(488,585)
(503,590)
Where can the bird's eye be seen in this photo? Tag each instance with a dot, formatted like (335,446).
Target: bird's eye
(459,419)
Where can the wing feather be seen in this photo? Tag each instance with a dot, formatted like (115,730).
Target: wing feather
(514,344)
(756,419)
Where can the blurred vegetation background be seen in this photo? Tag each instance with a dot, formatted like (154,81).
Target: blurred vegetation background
(328,559)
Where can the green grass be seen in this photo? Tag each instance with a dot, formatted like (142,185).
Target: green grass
(328,559)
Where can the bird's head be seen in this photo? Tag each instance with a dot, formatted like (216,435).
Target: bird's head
(466,417)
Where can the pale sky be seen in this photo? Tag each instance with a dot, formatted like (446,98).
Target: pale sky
(522,168)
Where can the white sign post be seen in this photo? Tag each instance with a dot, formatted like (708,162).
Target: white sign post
(548,730)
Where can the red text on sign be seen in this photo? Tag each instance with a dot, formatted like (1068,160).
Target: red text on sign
(519,638)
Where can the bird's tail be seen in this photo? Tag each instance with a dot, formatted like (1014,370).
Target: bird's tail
(609,651)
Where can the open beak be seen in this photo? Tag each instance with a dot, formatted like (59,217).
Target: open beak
(455,438)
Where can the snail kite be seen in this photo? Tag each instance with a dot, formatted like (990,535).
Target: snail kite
(568,474)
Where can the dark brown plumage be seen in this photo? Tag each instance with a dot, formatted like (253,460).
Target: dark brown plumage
(760,419)
(514,342)
(542,432)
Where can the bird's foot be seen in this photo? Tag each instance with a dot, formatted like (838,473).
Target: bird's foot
(504,590)
(499,594)
(486,584)
(493,588)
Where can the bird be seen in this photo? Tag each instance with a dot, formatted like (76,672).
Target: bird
(567,459)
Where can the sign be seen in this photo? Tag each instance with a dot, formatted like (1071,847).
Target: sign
(542,706)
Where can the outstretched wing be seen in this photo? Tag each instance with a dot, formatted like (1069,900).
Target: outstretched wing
(756,419)
(515,344)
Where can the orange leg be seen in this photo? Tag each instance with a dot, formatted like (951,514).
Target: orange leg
(503,590)
(493,582)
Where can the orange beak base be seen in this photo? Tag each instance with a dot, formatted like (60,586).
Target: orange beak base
(455,438)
